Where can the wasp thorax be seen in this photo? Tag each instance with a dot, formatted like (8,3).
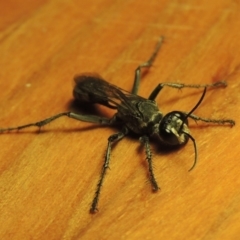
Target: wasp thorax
(173,128)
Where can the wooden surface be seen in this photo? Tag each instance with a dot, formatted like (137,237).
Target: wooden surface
(48,180)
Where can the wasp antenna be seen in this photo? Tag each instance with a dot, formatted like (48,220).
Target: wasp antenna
(199,102)
(195,150)
(195,107)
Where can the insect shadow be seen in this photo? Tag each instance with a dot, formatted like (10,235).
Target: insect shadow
(136,114)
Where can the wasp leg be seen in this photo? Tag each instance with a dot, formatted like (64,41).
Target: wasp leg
(145,141)
(80,117)
(146,64)
(156,91)
(208,120)
(112,139)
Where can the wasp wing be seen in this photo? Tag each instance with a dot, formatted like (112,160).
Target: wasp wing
(93,89)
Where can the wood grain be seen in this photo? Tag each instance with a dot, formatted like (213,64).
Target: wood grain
(47,180)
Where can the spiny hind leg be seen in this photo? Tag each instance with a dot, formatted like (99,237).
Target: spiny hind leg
(209,120)
(146,64)
(159,87)
(112,139)
(145,140)
(79,117)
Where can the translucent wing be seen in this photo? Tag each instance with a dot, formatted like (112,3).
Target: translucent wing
(93,89)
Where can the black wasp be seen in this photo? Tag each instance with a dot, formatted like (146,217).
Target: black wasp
(134,113)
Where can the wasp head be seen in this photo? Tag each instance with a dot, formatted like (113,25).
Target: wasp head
(173,129)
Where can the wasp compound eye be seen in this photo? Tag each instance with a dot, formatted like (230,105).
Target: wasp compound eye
(172,128)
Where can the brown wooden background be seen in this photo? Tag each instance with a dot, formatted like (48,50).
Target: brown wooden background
(47,180)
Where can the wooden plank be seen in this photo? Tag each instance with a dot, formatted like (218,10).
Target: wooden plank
(47,180)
